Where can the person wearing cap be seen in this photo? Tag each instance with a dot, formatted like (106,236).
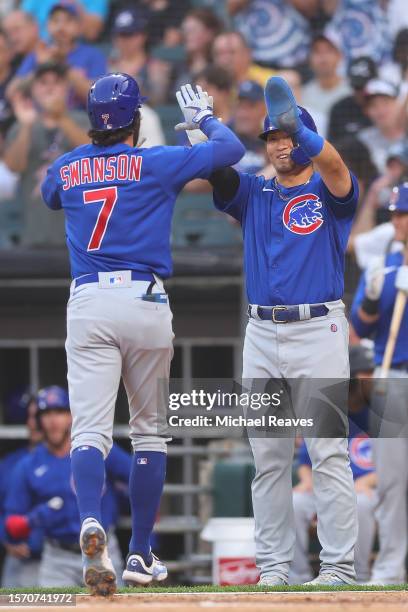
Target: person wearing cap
(22,559)
(362,466)
(44,129)
(327,85)
(92,14)
(246,122)
(348,116)
(84,62)
(371,315)
(41,495)
(374,211)
(129,37)
(384,110)
(295,230)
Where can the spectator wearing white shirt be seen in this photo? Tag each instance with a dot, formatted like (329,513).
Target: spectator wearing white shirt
(328,85)
(384,110)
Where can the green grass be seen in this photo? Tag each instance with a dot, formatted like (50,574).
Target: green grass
(208,588)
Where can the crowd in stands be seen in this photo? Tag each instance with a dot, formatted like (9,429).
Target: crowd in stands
(346,60)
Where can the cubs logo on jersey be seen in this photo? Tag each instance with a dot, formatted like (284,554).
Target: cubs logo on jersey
(361,452)
(302,215)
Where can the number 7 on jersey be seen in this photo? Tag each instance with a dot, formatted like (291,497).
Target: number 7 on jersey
(108,196)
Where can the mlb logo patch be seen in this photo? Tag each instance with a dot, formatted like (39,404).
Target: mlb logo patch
(116,280)
(141,461)
(333,327)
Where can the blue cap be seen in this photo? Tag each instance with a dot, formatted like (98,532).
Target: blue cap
(399,199)
(129,21)
(250,90)
(67,6)
(113,101)
(52,398)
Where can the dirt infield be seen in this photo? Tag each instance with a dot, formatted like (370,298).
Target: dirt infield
(254,602)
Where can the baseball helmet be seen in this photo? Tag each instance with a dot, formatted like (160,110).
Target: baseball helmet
(51,398)
(399,199)
(113,101)
(298,156)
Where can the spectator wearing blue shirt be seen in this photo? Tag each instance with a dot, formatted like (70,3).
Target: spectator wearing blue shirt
(42,495)
(362,466)
(22,560)
(92,14)
(85,62)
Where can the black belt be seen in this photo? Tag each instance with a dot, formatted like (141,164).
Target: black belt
(71,546)
(94,278)
(287,314)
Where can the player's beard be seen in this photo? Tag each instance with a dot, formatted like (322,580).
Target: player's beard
(55,442)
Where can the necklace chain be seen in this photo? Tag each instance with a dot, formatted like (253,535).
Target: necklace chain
(282,195)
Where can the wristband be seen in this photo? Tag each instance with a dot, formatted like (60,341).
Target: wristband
(311,142)
(371,307)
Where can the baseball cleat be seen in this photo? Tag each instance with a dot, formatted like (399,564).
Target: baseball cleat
(139,572)
(327,580)
(99,574)
(271,581)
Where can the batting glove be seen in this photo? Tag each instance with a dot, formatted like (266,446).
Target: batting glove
(195,106)
(375,279)
(401,280)
(17,526)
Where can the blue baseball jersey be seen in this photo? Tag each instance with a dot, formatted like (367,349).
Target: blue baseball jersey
(41,476)
(7,465)
(380,329)
(360,449)
(294,239)
(119,201)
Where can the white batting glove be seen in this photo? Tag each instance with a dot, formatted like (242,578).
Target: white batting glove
(375,279)
(401,280)
(195,106)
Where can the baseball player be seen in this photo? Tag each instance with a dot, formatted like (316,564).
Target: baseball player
(22,560)
(295,229)
(371,316)
(42,498)
(118,202)
(362,466)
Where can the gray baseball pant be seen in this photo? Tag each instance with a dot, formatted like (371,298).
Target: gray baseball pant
(113,333)
(309,349)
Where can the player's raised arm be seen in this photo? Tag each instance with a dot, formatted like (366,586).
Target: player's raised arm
(284,114)
(197,108)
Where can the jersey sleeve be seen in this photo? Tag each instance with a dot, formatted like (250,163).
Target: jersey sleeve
(237,207)
(19,498)
(50,190)
(342,208)
(176,166)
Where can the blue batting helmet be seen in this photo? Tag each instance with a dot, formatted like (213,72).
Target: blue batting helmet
(399,199)
(52,398)
(113,101)
(298,156)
